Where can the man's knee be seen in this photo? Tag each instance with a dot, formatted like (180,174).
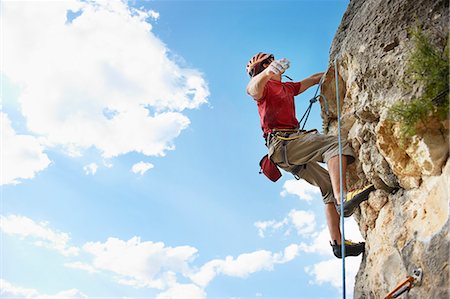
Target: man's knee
(328,197)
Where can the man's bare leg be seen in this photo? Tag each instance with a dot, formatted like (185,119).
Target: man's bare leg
(333,222)
(351,248)
(333,170)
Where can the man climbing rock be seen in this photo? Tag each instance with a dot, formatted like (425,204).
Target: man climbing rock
(300,152)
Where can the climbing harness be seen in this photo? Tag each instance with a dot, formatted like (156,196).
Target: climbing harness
(289,138)
(341,195)
(286,135)
(405,286)
(278,133)
(269,168)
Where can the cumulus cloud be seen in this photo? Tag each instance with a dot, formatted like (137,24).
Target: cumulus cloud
(41,233)
(90,168)
(244,265)
(300,188)
(145,264)
(154,265)
(81,266)
(9,290)
(321,242)
(304,222)
(140,264)
(153,14)
(98,79)
(329,271)
(141,167)
(264,226)
(22,155)
(182,291)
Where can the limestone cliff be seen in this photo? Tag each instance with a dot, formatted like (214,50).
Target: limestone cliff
(406,221)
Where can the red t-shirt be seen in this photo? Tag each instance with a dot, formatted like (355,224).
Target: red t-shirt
(276,108)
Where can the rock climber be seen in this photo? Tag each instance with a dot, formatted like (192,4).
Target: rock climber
(300,152)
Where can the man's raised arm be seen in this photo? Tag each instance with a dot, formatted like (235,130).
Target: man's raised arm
(255,87)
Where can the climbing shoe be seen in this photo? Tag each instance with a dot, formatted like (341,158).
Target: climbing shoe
(351,249)
(353,199)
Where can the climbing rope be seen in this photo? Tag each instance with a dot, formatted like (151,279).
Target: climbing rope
(411,281)
(341,183)
(314,99)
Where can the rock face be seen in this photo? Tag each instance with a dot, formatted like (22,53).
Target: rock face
(408,228)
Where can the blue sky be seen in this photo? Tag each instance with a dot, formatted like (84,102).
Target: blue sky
(130,152)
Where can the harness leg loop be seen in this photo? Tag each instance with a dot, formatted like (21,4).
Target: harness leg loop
(285,155)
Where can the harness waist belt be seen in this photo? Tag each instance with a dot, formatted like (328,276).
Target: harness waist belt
(286,134)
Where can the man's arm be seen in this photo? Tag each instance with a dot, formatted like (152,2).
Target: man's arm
(255,87)
(310,81)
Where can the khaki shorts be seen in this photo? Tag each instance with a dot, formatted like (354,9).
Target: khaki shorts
(309,150)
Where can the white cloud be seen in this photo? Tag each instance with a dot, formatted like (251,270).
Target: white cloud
(102,80)
(321,242)
(10,290)
(330,270)
(141,167)
(69,294)
(182,291)
(327,271)
(107,164)
(81,266)
(319,245)
(352,230)
(22,155)
(147,264)
(248,263)
(300,188)
(263,226)
(43,235)
(304,222)
(140,264)
(90,168)
(153,14)
(244,265)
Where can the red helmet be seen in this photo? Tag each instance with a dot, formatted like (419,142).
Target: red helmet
(255,60)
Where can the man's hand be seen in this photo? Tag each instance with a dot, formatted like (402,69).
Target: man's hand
(319,77)
(278,67)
